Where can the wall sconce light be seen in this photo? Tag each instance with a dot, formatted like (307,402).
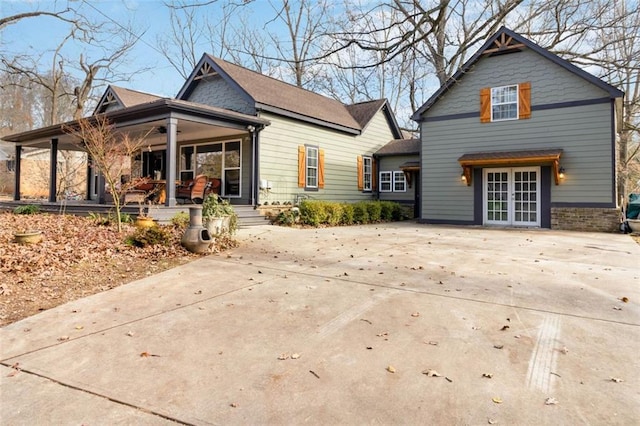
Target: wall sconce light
(463,178)
(561,174)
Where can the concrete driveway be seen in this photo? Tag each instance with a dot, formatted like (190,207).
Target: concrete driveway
(358,316)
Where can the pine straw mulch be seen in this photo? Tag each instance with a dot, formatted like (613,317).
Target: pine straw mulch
(75,258)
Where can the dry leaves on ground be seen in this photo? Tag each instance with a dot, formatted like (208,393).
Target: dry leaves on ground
(76,258)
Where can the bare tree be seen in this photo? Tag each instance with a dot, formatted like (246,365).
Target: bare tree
(111,153)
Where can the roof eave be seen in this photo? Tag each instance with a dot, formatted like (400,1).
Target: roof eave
(290,114)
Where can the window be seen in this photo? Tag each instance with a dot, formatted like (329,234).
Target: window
(312,167)
(385,181)
(219,160)
(504,103)
(366,173)
(399,182)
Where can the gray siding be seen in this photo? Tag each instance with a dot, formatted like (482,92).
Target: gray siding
(214,91)
(550,83)
(584,132)
(279,158)
(392,164)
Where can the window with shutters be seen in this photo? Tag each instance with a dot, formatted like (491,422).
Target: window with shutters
(312,167)
(504,103)
(366,173)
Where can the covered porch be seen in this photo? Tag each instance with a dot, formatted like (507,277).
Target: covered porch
(183,140)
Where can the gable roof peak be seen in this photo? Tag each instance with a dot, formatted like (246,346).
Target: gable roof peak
(506,40)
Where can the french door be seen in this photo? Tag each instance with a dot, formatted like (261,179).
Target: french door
(512,196)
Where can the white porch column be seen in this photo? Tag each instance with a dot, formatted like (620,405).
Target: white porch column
(172,165)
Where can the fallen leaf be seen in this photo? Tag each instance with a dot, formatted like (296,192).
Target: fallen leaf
(432,343)
(550,401)
(431,373)
(497,400)
(79,327)
(233,404)
(617,308)
(130,333)
(391,369)
(504,327)
(491,421)
(625,299)
(283,356)
(147,354)
(63,338)
(616,380)
(487,375)
(415,314)
(385,333)
(498,346)
(564,350)
(295,356)
(475,328)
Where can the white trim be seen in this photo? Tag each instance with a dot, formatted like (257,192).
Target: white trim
(364,173)
(307,148)
(511,194)
(403,181)
(381,182)
(506,103)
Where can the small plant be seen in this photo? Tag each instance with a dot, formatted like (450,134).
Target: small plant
(99,219)
(27,209)
(180,220)
(143,237)
(288,217)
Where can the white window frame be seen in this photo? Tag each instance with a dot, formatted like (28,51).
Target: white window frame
(367,171)
(307,167)
(194,163)
(517,102)
(386,178)
(399,178)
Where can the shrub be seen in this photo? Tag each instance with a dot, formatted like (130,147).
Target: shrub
(399,212)
(347,214)
(27,209)
(142,237)
(386,210)
(360,213)
(312,212)
(180,220)
(287,217)
(333,213)
(374,210)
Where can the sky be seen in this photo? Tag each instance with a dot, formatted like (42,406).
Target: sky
(35,35)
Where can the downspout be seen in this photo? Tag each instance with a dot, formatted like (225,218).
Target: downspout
(16,183)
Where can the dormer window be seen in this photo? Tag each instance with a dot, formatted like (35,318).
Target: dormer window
(504,103)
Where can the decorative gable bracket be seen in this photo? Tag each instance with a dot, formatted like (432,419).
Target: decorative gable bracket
(503,44)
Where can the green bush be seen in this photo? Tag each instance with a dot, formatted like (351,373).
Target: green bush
(347,214)
(399,212)
(360,213)
(312,212)
(386,210)
(180,220)
(333,213)
(287,217)
(374,209)
(27,209)
(142,237)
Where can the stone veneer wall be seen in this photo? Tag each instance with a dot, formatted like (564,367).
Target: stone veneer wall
(585,219)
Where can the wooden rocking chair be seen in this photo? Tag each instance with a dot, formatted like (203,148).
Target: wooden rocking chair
(193,191)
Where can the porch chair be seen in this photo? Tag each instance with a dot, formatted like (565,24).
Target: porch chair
(193,191)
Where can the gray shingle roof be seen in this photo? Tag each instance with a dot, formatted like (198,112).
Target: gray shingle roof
(130,97)
(363,112)
(268,91)
(400,147)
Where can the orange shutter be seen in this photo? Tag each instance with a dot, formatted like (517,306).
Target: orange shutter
(485,105)
(301,166)
(374,180)
(360,174)
(524,105)
(321,168)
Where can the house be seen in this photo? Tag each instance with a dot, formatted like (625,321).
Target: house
(520,137)
(263,139)
(398,165)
